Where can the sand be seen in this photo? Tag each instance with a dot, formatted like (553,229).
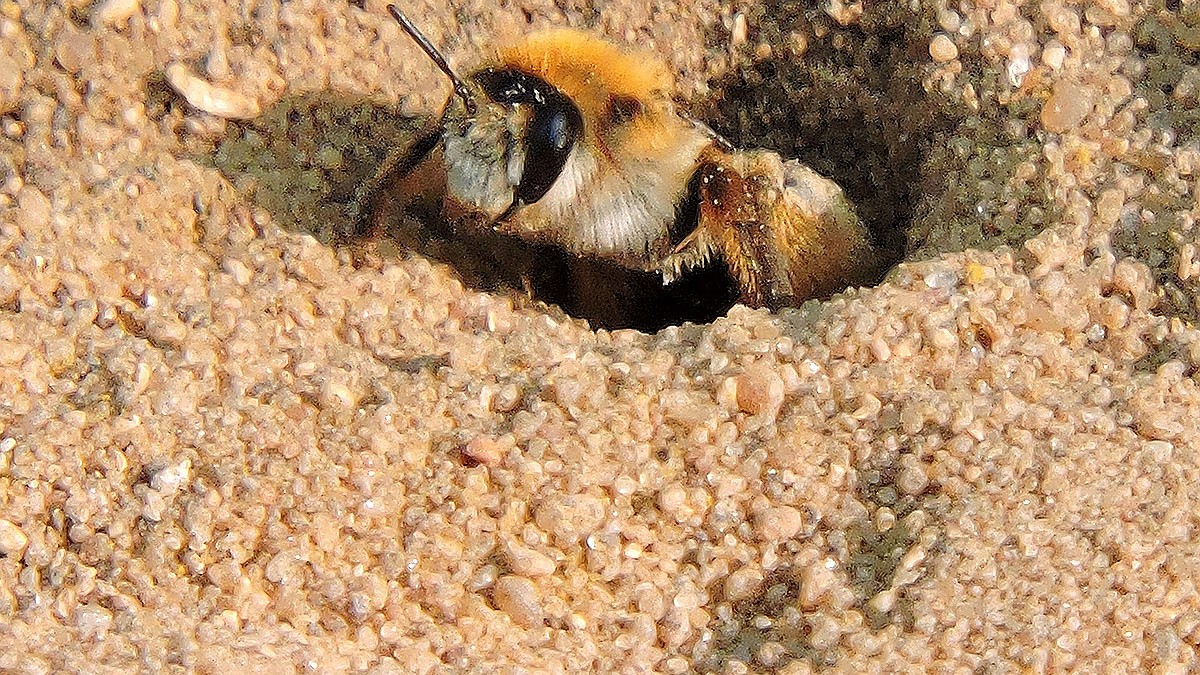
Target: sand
(229,445)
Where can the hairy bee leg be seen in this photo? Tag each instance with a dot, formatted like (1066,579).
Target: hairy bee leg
(389,176)
(786,233)
(828,243)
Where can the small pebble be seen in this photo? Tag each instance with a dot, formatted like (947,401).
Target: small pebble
(1018,64)
(12,78)
(74,50)
(912,480)
(115,12)
(1053,54)
(949,20)
(485,450)
(528,562)
(1069,103)
(743,583)
(518,597)
(34,209)
(739,31)
(12,540)
(93,621)
(1108,207)
(942,48)
(760,391)
(816,581)
(778,523)
(214,100)
(843,12)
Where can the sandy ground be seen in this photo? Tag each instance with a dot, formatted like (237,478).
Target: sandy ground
(227,445)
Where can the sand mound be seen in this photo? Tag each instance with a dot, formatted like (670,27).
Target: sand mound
(229,446)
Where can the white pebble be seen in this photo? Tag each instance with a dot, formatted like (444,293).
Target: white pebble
(93,621)
(1054,54)
(115,12)
(941,278)
(172,477)
(214,100)
(1018,65)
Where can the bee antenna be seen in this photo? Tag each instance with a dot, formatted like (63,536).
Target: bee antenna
(722,142)
(460,87)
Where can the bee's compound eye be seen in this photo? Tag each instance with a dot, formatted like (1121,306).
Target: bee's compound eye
(550,136)
(552,130)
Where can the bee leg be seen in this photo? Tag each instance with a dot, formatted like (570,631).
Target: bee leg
(695,250)
(761,268)
(826,244)
(391,176)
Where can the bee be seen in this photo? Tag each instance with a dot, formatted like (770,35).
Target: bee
(569,140)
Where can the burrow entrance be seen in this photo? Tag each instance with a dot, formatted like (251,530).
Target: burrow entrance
(845,99)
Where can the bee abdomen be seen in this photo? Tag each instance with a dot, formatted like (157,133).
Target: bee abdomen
(786,233)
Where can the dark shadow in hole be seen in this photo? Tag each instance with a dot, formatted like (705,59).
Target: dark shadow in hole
(606,294)
(848,101)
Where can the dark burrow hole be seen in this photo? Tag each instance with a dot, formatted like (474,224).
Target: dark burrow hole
(851,106)
(846,100)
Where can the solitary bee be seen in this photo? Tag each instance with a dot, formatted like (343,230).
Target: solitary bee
(569,140)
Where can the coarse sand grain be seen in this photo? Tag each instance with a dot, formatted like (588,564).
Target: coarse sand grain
(230,445)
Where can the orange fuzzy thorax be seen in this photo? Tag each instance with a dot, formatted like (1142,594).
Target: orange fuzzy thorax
(595,73)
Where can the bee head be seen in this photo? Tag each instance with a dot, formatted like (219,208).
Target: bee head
(578,129)
(548,124)
(623,96)
(509,133)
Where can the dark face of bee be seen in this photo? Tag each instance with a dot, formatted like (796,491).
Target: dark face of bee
(551,132)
